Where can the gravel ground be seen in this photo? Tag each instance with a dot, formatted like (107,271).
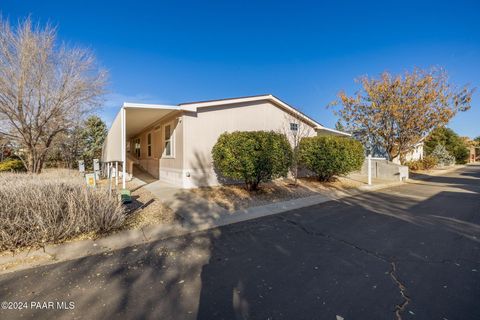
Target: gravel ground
(236,197)
(145,209)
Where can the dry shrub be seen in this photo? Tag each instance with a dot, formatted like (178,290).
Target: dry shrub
(52,207)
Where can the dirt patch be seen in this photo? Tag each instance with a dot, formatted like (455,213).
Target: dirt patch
(145,209)
(236,197)
(23,262)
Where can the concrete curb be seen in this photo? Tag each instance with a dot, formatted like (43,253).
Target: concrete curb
(127,238)
(436,173)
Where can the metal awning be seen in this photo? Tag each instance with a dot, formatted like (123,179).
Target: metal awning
(132,119)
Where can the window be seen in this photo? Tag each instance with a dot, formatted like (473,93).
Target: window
(168,151)
(137,147)
(293,126)
(149,144)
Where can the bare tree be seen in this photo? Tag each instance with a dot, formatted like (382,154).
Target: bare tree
(3,146)
(295,130)
(45,88)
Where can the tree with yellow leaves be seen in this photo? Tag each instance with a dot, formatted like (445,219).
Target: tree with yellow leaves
(394,112)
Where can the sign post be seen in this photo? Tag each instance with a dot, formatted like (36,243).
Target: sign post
(96,168)
(81,166)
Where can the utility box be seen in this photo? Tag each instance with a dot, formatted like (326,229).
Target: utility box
(125,196)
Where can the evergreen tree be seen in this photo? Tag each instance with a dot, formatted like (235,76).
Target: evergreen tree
(92,138)
(452,142)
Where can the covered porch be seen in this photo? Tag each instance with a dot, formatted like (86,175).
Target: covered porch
(132,120)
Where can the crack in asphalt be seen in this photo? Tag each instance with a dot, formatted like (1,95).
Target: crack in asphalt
(443,261)
(399,308)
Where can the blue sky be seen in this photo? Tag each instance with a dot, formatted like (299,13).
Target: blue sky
(303,52)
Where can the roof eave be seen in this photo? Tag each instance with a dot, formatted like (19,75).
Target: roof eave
(333,131)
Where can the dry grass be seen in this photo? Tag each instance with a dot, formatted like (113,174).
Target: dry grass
(236,197)
(53,207)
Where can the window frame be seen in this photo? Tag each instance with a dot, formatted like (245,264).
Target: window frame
(149,145)
(137,142)
(171,141)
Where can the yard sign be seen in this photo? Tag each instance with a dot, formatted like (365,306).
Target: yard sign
(90,179)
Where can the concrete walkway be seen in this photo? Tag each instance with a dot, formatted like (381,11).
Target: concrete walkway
(191,209)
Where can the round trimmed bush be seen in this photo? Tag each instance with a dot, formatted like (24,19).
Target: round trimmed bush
(252,156)
(328,156)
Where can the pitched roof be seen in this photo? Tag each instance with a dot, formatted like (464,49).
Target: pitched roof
(192,106)
(267,97)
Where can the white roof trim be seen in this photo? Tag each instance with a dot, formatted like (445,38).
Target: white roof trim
(157,106)
(194,105)
(333,130)
(150,106)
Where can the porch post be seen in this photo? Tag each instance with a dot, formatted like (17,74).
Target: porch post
(116,174)
(124,143)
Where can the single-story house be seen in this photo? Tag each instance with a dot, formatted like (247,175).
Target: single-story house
(473,149)
(173,143)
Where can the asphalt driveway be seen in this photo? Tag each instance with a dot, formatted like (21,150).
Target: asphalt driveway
(410,252)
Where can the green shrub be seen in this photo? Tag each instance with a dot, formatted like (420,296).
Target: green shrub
(14,165)
(443,157)
(453,143)
(252,156)
(328,156)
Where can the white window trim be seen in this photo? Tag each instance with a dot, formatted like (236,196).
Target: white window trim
(139,148)
(172,140)
(150,145)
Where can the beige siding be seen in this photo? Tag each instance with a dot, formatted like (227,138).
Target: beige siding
(203,128)
(158,165)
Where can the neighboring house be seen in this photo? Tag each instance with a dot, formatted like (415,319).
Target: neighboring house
(174,143)
(472,156)
(473,148)
(415,153)
(378,151)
